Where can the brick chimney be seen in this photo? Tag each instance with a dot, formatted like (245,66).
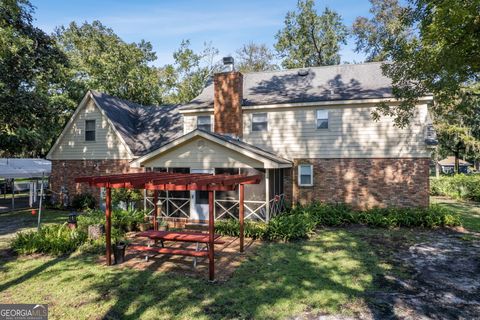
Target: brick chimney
(227,103)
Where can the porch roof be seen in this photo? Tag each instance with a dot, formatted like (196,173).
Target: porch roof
(269,160)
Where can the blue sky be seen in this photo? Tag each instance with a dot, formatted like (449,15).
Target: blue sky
(226,24)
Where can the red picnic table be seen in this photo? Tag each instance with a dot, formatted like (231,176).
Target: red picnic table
(175,236)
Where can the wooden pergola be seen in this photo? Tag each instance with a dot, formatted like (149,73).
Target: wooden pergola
(163,181)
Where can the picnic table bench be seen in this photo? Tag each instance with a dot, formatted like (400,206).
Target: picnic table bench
(175,236)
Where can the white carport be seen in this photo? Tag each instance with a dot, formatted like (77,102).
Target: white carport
(25,168)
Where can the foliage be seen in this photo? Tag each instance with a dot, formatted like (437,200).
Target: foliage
(254,57)
(309,39)
(32,104)
(185,79)
(124,220)
(51,239)
(301,221)
(372,35)
(460,186)
(439,58)
(100,60)
(231,227)
(127,196)
(84,201)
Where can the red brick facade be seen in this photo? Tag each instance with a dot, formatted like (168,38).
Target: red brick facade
(228,96)
(366,183)
(64,173)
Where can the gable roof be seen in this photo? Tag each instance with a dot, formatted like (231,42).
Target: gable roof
(143,128)
(329,83)
(269,159)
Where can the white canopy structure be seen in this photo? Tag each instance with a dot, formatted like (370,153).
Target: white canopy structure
(13,168)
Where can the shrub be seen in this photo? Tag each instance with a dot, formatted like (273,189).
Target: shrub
(84,201)
(231,227)
(54,240)
(290,227)
(125,220)
(460,186)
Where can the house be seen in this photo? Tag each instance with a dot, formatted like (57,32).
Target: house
(308,132)
(448,165)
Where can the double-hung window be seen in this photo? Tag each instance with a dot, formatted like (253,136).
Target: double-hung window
(90,130)
(305,175)
(204,123)
(322,119)
(259,121)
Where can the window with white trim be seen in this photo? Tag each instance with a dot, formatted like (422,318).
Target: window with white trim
(305,175)
(90,130)
(259,121)
(204,123)
(322,119)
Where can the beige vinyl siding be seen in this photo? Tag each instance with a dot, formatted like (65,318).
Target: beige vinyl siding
(351,133)
(200,153)
(189,123)
(73,146)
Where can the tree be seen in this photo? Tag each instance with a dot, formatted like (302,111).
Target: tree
(32,103)
(373,35)
(440,58)
(185,79)
(254,57)
(102,61)
(309,39)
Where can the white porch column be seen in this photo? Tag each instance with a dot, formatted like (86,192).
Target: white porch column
(267,193)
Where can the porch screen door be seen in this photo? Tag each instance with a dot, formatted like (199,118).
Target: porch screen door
(199,203)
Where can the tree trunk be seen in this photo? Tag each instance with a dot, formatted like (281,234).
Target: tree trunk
(457,161)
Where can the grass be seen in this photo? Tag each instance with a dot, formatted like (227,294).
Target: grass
(333,272)
(22,220)
(330,273)
(469,211)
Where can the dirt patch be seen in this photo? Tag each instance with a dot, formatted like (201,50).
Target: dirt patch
(442,283)
(227,259)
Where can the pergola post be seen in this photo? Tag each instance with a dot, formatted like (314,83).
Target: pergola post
(108,224)
(241,214)
(155,210)
(211,231)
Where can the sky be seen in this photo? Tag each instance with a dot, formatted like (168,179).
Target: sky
(165,23)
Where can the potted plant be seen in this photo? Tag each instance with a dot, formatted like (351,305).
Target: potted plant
(162,225)
(119,245)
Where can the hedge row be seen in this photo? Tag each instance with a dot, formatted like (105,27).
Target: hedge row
(302,221)
(460,186)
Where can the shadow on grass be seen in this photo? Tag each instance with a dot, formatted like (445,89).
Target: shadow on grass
(30,274)
(327,274)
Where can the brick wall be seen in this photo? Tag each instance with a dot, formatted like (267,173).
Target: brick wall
(366,183)
(228,96)
(64,173)
(288,184)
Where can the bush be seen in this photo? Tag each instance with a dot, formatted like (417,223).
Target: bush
(125,220)
(300,222)
(460,186)
(231,227)
(84,201)
(55,240)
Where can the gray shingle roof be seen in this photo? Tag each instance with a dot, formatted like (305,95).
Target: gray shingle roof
(339,82)
(144,128)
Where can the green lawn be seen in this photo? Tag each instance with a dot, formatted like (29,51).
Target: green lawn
(335,271)
(330,273)
(469,211)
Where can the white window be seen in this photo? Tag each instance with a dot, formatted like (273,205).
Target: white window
(259,122)
(90,130)
(322,119)
(305,175)
(204,123)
